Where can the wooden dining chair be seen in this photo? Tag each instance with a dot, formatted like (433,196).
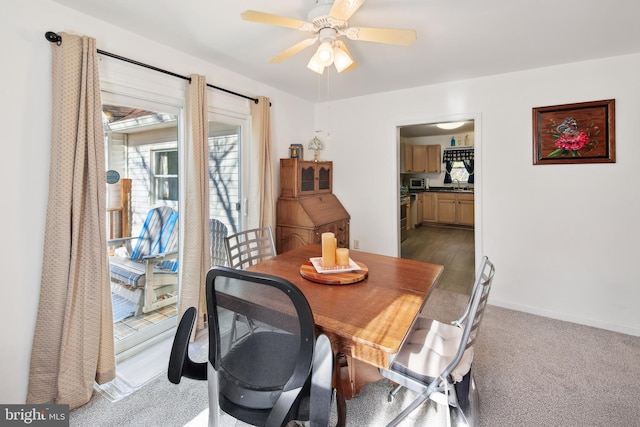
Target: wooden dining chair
(436,358)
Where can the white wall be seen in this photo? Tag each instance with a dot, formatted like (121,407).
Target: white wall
(563,237)
(26,121)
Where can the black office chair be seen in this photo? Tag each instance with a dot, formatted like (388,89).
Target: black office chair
(280,372)
(436,358)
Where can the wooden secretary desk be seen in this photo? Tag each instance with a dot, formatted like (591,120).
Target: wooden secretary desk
(307,206)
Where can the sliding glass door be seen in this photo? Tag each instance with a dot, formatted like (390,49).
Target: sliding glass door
(143,165)
(226,207)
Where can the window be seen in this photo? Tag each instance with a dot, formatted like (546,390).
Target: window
(459,165)
(459,172)
(165,175)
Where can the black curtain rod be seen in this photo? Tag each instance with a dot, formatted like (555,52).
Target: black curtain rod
(55,38)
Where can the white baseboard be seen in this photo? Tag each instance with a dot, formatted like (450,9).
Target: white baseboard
(628,330)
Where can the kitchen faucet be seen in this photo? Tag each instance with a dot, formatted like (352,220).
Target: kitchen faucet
(457,181)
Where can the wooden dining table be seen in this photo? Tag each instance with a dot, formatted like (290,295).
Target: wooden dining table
(366,321)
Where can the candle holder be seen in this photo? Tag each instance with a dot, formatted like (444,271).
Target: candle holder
(316,145)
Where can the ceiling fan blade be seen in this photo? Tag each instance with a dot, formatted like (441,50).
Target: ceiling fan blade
(293,50)
(381,35)
(337,60)
(268,18)
(344,9)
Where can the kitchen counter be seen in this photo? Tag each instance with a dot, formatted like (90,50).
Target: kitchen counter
(445,190)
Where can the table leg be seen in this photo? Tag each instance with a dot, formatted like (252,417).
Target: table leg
(342,383)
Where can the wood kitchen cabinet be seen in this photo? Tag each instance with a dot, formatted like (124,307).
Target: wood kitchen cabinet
(305,178)
(419,210)
(434,158)
(406,154)
(406,158)
(455,208)
(305,211)
(419,159)
(429,207)
(466,209)
(422,158)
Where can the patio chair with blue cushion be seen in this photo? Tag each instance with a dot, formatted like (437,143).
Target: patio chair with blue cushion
(146,274)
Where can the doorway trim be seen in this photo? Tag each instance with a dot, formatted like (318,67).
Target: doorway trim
(478,163)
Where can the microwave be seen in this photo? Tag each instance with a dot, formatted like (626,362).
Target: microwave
(417,184)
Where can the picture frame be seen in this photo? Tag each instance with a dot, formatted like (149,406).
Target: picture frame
(583,132)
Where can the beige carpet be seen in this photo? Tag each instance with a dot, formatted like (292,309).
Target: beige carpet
(530,371)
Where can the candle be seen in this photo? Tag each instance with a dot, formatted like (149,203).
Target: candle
(342,257)
(328,250)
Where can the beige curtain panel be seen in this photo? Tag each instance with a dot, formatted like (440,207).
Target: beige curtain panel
(261,138)
(73,340)
(195,258)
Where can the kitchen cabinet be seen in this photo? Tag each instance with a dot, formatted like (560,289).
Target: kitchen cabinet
(434,158)
(455,208)
(422,158)
(305,178)
(419,159)
(429,206)
(307,207)
(406,158)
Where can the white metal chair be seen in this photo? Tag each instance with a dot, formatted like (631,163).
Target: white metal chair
(249,247)
(436,358)
(245,249)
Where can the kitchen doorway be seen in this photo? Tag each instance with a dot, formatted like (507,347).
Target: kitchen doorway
(442,216)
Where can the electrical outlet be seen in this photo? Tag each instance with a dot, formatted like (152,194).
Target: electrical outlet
(356,244)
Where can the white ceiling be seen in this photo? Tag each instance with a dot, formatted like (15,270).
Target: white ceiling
(432,129)
(457,39)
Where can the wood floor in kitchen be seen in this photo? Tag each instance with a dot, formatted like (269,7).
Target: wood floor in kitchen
(449,246)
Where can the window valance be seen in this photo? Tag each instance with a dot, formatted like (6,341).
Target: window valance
(457,155)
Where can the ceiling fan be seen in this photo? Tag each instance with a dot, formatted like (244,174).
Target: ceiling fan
(327,22)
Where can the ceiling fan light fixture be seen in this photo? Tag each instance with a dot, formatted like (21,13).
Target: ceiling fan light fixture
(325,54)
(314,64)
(450,125)
(341,59)
(328,21)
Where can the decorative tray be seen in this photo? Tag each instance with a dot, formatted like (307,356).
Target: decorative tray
(317,264)
(344,276)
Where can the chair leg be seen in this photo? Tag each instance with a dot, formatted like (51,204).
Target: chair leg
(393,393)
(232,333)
(462,390)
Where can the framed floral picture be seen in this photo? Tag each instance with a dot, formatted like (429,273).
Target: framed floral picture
(574,133)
